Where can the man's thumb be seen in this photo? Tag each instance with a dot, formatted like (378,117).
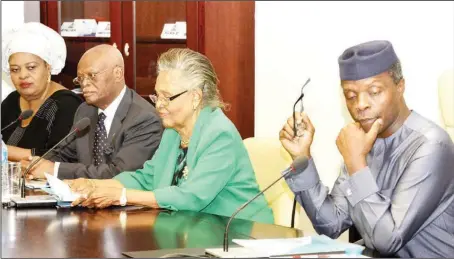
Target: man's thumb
(375,129)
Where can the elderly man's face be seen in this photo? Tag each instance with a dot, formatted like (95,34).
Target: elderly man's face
(96,79)
(29,74)
(372,98)
(174,113)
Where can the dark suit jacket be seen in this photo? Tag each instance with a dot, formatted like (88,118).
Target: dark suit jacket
(133,138)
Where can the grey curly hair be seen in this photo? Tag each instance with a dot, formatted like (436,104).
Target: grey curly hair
(198,72)
(395,71)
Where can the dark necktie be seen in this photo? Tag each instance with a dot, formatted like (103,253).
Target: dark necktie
(100,140)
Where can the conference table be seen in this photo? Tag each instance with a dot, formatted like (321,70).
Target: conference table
(82,232)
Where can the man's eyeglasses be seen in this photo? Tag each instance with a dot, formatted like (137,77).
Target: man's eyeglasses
(165,100)
(90,76)
(300,98)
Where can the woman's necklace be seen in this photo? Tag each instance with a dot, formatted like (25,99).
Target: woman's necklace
(184,143)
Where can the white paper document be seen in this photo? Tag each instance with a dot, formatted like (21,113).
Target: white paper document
(317,244)
(174,31)
(60,189)
(36,184)
(68,29)
(273,246)
(103,30)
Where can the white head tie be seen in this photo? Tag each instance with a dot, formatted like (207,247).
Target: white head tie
(37,39)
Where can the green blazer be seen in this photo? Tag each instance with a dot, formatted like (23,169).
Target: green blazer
(220,178)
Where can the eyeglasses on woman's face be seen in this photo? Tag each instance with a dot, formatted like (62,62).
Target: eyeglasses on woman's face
(165,101)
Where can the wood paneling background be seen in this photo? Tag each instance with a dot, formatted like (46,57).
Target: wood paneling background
(98,10)
(223,31)
(146,65)
(229,43)
(76,46)
(152,15)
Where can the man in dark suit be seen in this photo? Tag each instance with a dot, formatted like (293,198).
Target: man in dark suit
(125,129)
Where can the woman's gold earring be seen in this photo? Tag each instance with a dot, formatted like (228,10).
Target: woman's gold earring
(48,79)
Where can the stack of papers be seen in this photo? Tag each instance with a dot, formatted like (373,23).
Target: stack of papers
(298,246)
(36,184)
(274,246)
(303,247)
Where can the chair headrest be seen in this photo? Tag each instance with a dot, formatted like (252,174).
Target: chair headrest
(446,97)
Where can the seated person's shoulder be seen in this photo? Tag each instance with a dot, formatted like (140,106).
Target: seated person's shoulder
(219,125)
(434,134)
(12,98)
(67,97)
(434,143)
(141,110)
(139,101)
(141,118)
(427,130)
(83,107)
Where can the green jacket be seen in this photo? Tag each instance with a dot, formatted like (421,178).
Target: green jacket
(220,178)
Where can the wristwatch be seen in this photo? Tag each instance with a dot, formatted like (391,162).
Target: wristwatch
(123,199)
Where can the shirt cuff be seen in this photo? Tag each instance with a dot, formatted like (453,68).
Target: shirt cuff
(56,166)
(302,181)
(359,186)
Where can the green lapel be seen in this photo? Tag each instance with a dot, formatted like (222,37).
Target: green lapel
(169,150)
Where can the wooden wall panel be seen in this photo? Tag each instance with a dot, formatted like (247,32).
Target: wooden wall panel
(71,10)
(49,14)
(195,31)
(98,10)
(76,46)
(229,43)
(127,31)
(152,15)
(69,72)
(146,65)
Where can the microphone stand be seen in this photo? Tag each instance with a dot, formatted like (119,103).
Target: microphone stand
(22,187)
(226,233)
(23,116)
(12,123)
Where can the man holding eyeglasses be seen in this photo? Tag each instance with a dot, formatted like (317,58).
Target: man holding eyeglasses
(397,184)
(125,129)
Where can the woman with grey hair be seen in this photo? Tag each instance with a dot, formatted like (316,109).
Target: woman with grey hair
(201,163)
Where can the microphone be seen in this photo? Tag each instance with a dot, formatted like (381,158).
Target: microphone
(298,166)
(78,127)
(23,116)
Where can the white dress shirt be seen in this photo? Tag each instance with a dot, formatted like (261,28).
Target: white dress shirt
(110,114)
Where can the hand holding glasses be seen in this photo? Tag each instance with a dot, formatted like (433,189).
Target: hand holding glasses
(296,124)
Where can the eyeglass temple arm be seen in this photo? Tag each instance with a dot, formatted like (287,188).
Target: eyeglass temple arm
(300,98)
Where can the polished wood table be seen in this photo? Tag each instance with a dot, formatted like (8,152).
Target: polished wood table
(82,232)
